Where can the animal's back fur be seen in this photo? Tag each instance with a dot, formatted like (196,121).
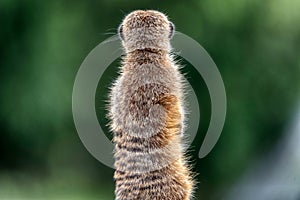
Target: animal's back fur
(147,118)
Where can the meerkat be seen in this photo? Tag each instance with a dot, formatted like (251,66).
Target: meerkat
(146,111)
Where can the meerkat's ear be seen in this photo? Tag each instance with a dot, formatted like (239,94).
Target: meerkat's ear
(120,32)
(172,29)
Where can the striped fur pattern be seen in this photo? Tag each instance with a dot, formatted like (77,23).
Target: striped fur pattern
(147,114)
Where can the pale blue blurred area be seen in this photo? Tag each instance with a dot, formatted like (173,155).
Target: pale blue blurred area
(276,174)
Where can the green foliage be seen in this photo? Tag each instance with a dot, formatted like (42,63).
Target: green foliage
(255,44)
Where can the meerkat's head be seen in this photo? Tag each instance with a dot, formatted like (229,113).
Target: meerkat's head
(146,30)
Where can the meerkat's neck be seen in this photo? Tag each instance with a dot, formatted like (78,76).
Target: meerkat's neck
(146,56)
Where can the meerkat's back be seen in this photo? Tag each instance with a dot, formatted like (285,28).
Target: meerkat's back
(147,114)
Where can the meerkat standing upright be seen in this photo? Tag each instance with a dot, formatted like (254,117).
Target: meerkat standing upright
(147,114)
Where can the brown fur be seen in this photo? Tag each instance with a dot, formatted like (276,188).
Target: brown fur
(147,114)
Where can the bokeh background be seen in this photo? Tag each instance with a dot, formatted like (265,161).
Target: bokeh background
(255,44)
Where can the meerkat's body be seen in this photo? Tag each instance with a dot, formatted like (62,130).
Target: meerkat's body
(147,114)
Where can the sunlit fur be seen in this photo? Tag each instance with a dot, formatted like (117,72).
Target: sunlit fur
(147,114)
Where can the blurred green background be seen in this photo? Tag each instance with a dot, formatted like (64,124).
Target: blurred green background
(255,44)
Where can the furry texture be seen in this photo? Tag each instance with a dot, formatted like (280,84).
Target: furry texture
(147,114)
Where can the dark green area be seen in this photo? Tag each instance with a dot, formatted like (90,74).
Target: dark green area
(255,44)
